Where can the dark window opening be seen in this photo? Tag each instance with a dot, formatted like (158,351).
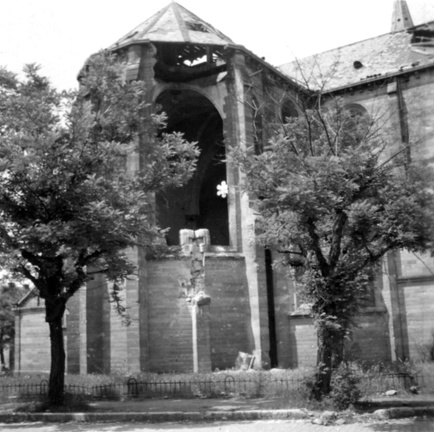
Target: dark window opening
(287,111)
(184,62)
(196,205)
(196,26)
(423,37)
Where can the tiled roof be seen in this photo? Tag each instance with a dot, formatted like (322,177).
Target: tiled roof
(174,23)
(360,61)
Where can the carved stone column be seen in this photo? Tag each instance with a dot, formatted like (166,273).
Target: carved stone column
(195,244)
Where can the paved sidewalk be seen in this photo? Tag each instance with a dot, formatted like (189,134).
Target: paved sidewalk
(199,410)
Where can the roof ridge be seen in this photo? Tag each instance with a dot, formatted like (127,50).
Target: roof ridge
(180,21)
(173,23)
(344,46)
(157,16)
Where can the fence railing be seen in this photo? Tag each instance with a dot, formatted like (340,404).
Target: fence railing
(391,381)
(258,386)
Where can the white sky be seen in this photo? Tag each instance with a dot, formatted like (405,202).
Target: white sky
(60,34)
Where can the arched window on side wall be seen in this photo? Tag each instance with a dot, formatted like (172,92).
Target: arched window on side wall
(361,118)
(287,111)
(357,110)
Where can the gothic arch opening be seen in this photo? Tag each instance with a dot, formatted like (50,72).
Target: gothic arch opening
(196,205)
(287,111)
(360,117)
(357,110)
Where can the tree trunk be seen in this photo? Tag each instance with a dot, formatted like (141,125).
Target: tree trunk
(323,376)
(330,355)
(2,354)
(12,354)
(54,315)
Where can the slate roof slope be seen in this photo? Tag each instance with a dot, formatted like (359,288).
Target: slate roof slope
(32,292)
(377,57)
(174,23)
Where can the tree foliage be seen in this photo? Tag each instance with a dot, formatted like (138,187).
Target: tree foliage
(333,197)
(68,203)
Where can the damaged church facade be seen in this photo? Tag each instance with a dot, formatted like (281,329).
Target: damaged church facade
(218,293)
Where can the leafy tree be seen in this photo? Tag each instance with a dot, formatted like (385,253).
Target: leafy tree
(333,196)
(68,203)
(10,293)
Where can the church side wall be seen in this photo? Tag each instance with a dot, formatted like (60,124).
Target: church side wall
(296,334)
(303,342)
(419,310)
(97,325)
(419,96)
(370,339)
(408,282)
(415,277)
(287,342)
(34,341)
(72,333)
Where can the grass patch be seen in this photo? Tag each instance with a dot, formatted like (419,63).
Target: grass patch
(71,403)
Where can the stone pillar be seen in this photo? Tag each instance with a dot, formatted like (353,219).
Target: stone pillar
(82,293)
(201,338)
(195,244)
(395,304)
(258,327)
(17,345)
(132,302)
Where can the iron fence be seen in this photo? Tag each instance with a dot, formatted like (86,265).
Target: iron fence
(259,385)
(380,383)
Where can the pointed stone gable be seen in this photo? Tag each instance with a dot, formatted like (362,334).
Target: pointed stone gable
(174,23)
(401,18)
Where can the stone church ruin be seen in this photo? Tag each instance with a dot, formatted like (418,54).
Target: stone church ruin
(218,295)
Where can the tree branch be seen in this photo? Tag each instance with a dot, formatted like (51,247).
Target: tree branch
(324,266)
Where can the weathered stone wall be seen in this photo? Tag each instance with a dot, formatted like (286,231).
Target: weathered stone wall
(169,316)
(72,334)
(170,320)
(419,311)
(296,335)
(32,343)
(370,339)
(284,296)
(419,97)
(97,325)
(302,338)
(225,282)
